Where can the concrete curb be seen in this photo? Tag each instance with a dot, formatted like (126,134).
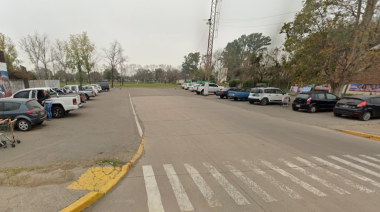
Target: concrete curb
(364,135)
(92,197)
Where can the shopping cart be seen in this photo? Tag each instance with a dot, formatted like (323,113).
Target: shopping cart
(285,101)
(7,133)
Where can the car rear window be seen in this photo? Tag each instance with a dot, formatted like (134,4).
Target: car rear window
(303,95)
(350,101)
(254,90)
(33,104)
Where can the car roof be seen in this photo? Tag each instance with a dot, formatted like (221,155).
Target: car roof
(16,100)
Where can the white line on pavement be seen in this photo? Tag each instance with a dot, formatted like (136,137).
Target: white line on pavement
(363,161)
(179,192)
(154,196)
(231,190)
(348,163)
(371,158)
(273,181)
(206,191)
(361,177)
(294,179)
(334,175)
(137,121)
(315,177)
(248,182)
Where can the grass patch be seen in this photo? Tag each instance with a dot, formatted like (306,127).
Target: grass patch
(111,162)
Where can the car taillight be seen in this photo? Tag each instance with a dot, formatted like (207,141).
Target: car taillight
(31,111)
(197,88)
(74,101)
(362,104)
(308,101)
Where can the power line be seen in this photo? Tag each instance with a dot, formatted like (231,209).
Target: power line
(200,42)
(253,26)
(246,20)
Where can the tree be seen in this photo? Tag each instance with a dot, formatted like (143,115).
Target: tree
(37,47)
(331,41)
(60,54)
(78,49)
(10,53)
(191,63)
(114,56)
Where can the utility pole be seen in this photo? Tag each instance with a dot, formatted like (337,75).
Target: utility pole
(212,22)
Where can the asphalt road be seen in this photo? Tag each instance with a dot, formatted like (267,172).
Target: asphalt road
(208,154)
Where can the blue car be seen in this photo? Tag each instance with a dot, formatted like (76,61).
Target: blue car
(242,94)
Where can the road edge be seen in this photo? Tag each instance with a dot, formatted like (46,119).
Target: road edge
(364,135)
(93,196)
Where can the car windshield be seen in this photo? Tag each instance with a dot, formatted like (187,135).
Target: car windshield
(255,90)
(350,101)
(303,95)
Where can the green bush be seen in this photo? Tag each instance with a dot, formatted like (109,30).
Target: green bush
(234,83)
(249,84)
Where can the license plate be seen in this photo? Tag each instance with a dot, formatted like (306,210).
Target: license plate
(344,106)
(298,105)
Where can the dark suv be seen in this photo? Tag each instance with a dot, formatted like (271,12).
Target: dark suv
(105,86)
(364,107)
(28,112)
(315,100)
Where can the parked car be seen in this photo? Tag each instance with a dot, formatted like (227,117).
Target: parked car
(224,93)
(105,86)
(191,88)
(240,94)
(28,112)
(266,95)
(61,105)
(363,107)
(63,91)
(187,86)
(91,87)
(98,87)
(314,101)
(79,90)
(212,88)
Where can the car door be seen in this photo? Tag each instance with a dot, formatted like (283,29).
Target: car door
(270,94)
(22,94)
(375,102)
(331,100)
(320,101)
(11,109)
(279,94)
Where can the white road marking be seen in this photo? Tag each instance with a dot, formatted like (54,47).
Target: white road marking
(179,192)
(363,161)
(361,177)
(273,181)
(248,182)
(206,191)
(334,175)
(371,158)
(348,163)
(294,179)
(154,196)
(137,121)
(315,177)
(231,190)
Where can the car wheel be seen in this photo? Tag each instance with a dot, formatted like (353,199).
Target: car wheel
(235,99)
(264,101)
(87,98)
(24,125)
(58,112)
(337,114)
(251,102)
(312,109)
(202,92)
(198,93)
(221,97)
(295,109)
(365,116)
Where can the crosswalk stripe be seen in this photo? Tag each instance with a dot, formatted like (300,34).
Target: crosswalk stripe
(361,177)
(363,161)
(294,179)
(348,163)
(247,181)
(206,191)
(334,175)
(371,158)
(273,181)
(231,190)
(179,192)
(315,177)
(154,197)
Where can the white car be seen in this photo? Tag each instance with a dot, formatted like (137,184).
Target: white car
(193,87)
(212,88)
(97,86)
(267,95)
(94,88)
(187,86)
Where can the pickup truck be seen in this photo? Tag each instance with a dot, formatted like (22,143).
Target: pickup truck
(61,105)
(78,89)
(224,93)
(63,91)
(243,94)
(212,88)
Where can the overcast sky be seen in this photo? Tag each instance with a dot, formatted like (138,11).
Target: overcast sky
(151,31)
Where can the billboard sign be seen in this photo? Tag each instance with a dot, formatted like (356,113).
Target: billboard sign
(5,86)
(374,88)
(324,87)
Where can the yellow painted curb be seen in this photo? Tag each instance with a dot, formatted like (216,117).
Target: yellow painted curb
(364,135)
(91,197)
